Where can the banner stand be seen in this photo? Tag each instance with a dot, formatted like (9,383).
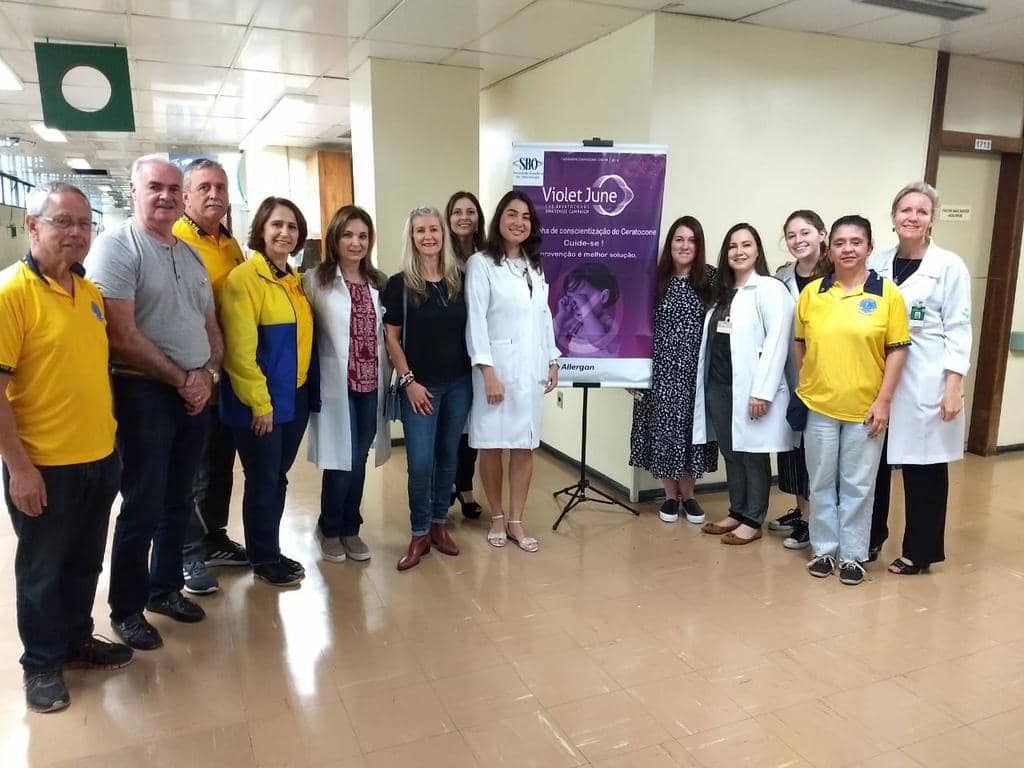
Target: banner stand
(577,492)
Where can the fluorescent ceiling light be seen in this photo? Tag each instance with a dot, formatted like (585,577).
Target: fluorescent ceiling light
(48,134)
(105,188)
(8,80)
(79,163)
(273,127)
(943,9)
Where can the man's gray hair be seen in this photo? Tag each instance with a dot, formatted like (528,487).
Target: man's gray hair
(201,164)
(150,160)
(39,197)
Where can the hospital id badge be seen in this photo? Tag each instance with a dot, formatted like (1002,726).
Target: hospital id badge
(724,326)
(917,315)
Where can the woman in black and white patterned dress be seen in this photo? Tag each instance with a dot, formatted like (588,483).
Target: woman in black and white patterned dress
(661,439)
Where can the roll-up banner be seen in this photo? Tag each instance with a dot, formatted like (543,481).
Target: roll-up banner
(600,215)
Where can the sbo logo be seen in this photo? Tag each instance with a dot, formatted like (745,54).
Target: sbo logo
(529,163)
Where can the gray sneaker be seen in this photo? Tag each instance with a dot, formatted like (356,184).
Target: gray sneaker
(331,548)
(198,580)
(355,548)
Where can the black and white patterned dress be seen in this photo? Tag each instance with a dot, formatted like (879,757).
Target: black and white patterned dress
(661,439)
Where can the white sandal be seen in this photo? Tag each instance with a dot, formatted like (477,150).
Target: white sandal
(527,543)
(497,539)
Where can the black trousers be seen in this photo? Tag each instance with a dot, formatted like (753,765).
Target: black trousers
(925,498)
(747,475)
(212,488)
(466,466)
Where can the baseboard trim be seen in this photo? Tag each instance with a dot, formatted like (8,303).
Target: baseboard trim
(1009,448)
(565,458)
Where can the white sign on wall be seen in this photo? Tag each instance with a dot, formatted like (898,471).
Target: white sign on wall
(955,213)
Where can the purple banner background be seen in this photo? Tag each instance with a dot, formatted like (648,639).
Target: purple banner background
(622,247)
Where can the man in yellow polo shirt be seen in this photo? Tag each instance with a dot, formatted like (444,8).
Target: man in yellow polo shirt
(60,469)
(206,541)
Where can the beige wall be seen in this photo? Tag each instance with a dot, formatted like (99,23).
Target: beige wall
(758,122)
(984,97)
(415,140)
(277,172)
(602,89)
(12,248)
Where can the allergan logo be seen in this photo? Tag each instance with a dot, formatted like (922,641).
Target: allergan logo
(609,195)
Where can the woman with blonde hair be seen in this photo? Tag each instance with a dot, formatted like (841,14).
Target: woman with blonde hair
(426,341)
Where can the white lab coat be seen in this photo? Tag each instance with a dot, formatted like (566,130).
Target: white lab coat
(329,440)
(511,330)
(762,331)
(939,343)
(787,274)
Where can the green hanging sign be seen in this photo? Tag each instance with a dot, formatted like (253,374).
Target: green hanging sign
(55,60)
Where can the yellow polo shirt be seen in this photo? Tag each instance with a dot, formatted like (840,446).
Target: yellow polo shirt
(845,338)
(54,347)
(219,254)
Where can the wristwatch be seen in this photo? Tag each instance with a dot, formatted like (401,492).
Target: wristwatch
(214,374)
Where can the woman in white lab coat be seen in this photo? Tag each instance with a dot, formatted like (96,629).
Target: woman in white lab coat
(926,425)
(742,391)
(511,345)
(344,291)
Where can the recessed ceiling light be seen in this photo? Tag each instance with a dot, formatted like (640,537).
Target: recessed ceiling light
(48,134)
(79,163)
(8,80)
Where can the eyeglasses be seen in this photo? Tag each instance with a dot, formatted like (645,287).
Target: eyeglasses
(66,222)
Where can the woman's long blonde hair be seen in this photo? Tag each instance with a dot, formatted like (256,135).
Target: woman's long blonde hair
(412,262)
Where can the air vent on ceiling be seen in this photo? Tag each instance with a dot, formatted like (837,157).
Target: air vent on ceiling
(91,172)
(942,9)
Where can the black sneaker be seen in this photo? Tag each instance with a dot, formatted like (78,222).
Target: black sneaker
(800,538)
(784,524)
(669,511)
(277,574)
(137,632)
(178,607)
(97,652)
(694,512)
(851,572)
(293,565)
(226,552)
(822,566)
(46,692)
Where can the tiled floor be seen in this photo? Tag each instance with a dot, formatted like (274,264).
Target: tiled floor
(624,643)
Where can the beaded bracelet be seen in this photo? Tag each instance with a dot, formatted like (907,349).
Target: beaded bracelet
(406,379)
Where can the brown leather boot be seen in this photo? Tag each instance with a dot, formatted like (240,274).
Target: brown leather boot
(440,538)
(418,547)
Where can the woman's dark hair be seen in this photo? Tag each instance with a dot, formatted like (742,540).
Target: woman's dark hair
(699,277)
(478,236)
(530,247)
(726,278)
(822,266)
(327,269)
(262,216)
(597,275)
(853,220)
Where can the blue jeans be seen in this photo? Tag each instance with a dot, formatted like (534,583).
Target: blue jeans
(432,448)
(214,479)
(59,557)
(266,460)
(341,491)
(842,462)
(158,443)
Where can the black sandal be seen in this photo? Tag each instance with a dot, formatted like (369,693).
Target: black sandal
(903,568)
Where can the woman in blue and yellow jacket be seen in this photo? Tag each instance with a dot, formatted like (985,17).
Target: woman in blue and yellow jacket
(269,383)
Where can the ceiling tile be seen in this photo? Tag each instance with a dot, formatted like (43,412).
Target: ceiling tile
(249,84)
(347,18)
(226,129)
(818,15)
(642,5)
(156,109)
(23,63)
(721,9)
(1010,53)
(418,22)
(111,6)
(177,78)
(297,53)
(493,67)
(182,41)
(234,107)
(551,27)
(34,22)
(331,90)
(9,38)
(366,49)
(1006,34)
(235,12)
(915,28)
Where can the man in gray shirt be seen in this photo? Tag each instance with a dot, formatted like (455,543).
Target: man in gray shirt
(165,350)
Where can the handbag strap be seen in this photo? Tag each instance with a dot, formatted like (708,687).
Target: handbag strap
(405,311)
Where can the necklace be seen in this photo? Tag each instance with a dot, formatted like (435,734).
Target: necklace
(909,268)
(520,269)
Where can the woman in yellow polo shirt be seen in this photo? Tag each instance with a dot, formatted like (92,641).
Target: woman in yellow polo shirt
(851,342)
(265,397)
